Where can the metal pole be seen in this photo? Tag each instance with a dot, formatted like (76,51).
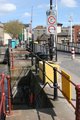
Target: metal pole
(77,112)
(32,36)
(43,72)
(50,4)
(3,92)
(9,93)
(71,30)
(55,84)
(70,20)
(51,38)
(56,41)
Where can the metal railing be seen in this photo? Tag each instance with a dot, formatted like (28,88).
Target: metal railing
(5,96)
(67,48)
(56,86)
(60,47)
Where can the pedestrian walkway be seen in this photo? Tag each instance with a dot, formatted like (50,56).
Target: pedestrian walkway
(60,110)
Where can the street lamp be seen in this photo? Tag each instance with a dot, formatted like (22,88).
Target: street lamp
(70,20)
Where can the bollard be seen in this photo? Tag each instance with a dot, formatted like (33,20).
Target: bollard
(73,53)
(77,102)
(55,84)
(9,93)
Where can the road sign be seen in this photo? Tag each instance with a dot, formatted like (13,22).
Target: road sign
(51,23)
(51,19)
(51,29)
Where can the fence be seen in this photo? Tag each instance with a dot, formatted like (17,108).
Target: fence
(5,96)
(67,48)
(60,47)
(65,86)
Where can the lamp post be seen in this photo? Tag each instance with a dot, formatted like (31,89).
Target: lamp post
(70,20)
(32,36)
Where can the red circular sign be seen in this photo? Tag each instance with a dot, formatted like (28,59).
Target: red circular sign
(51,19)
(51,29)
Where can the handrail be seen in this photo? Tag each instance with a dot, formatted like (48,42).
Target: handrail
(3,94)
(57,86)
(2,101)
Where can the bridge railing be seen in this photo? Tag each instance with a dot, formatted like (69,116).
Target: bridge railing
(59,80)
(2,97)
(60,47)
(5,96)
(67,48)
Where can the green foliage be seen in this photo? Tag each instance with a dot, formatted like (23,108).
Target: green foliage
(13,27)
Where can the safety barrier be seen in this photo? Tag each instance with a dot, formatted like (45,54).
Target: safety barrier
(5,96)
(65,87)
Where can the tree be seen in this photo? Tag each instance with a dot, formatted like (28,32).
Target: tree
(13,28)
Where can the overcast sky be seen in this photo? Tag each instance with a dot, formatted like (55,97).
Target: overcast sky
(21,10)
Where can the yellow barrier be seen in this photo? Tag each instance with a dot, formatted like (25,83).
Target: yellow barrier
(48,71)
(66,85)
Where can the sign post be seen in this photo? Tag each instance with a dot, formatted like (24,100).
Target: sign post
(52,31)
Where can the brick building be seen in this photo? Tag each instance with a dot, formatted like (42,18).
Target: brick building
(76,33)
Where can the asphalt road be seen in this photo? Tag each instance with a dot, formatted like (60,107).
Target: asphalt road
(66,62)
(72,67)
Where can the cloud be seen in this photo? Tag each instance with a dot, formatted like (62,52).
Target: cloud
(69,3)
(6,7)
(26,14)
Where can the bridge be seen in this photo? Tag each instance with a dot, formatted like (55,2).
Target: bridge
(36,94)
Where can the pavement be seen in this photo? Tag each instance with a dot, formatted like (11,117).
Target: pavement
(61,110)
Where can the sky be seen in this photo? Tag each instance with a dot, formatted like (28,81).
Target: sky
(22,9)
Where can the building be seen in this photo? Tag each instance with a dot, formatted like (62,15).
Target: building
(1,33)
(40,30)
(27,33)
(64,35)
(59,27)
(7,37)
(76,33)
(43,39)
